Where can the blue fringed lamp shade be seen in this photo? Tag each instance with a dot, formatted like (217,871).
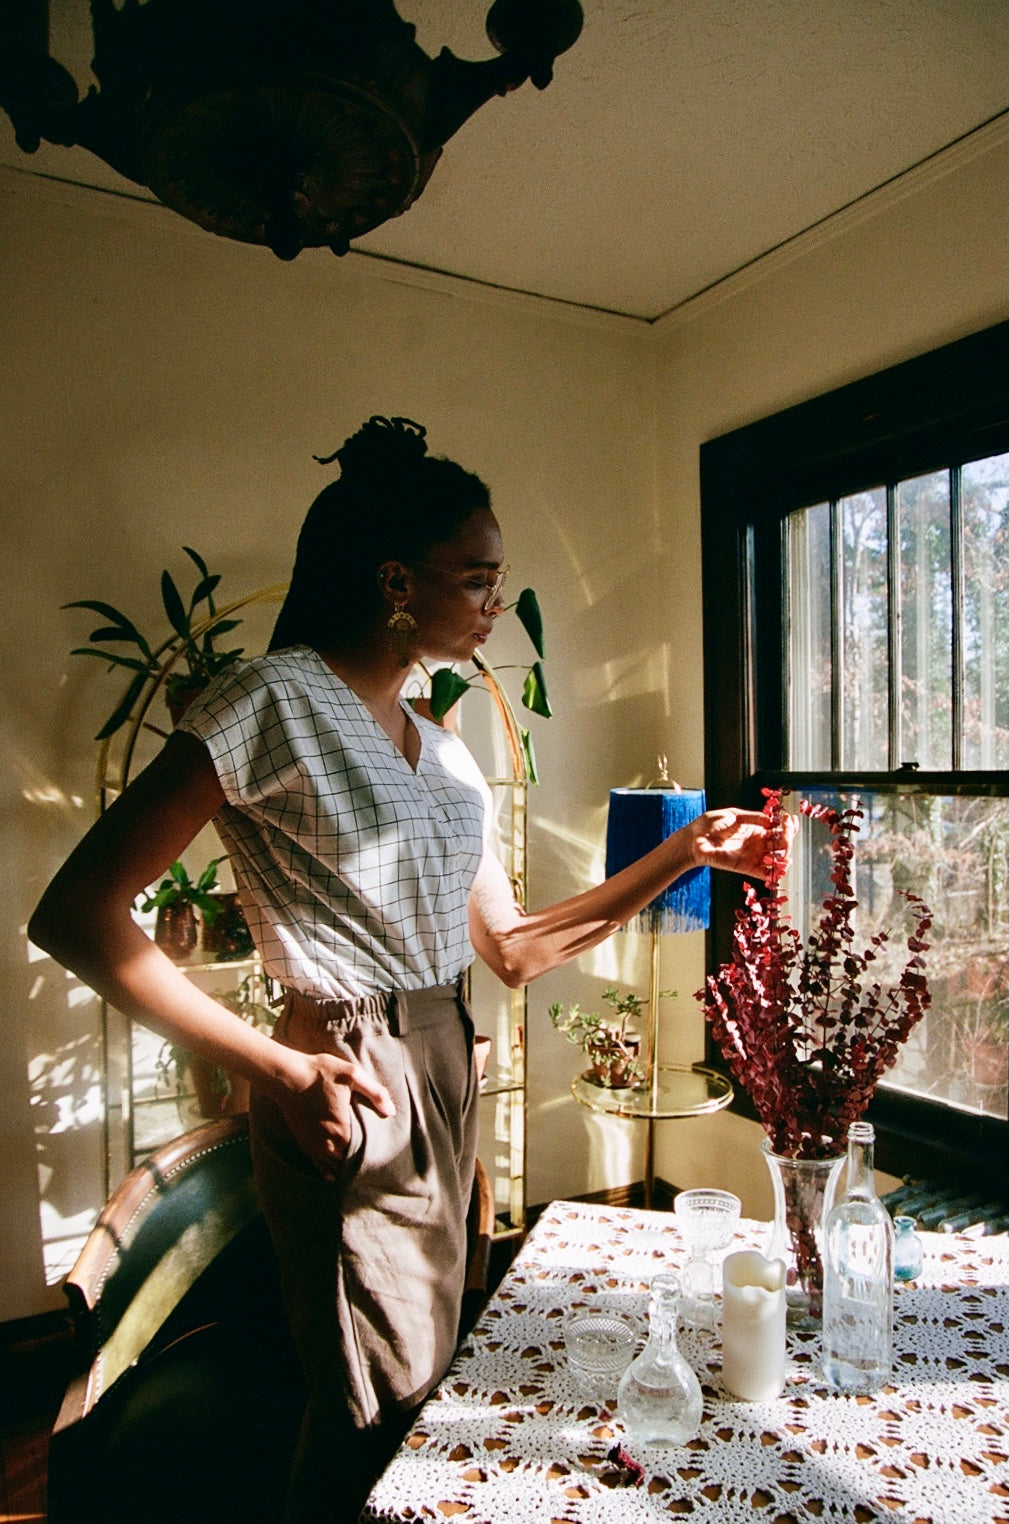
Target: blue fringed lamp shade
(640,819)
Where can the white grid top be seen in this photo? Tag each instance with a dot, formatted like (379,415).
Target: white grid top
(354,871)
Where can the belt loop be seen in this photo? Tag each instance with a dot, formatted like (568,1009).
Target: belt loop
(398,1014)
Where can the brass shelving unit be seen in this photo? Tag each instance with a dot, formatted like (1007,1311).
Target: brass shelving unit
(138,1114)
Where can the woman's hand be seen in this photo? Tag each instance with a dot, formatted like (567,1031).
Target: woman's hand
(733,839)
(318,1110)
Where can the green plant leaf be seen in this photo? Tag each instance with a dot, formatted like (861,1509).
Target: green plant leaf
(216,661)
(529,752)
(201,567)
(534,692)
(208,878)
(527,611)
(447,688)
(105,609)
(203,590)
(110,632)
(173,606)
(122,710)
(209,907)
(178,873)
(128,628)
(113,659)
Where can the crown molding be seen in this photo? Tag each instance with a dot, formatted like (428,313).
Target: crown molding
(991,138)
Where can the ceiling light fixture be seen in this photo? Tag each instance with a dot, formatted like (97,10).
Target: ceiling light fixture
(288,123)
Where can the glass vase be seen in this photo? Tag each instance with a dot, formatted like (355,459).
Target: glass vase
(803,1194)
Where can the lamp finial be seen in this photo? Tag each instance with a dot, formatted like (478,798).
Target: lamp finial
(663,779)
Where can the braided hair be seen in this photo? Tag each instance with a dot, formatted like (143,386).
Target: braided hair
(391,501)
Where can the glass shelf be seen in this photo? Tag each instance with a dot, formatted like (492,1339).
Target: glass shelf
(680,1092)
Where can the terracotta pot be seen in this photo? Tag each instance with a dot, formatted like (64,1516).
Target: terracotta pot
(180,695)
(613,1069)
(176,931)
(228,935)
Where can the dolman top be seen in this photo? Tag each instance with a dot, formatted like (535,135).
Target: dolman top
(353,870)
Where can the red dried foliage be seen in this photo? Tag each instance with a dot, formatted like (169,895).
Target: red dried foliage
(802,1027)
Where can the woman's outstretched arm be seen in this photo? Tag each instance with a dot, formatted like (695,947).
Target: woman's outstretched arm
(84,921)
(520,945)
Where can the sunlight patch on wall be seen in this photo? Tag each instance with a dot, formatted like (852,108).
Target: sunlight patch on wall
(51,795)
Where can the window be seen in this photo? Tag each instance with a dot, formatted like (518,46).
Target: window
(856,606)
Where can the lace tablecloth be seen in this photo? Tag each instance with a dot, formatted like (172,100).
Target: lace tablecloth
(506,1436)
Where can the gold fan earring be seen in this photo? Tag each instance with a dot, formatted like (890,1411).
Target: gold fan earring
(402,628)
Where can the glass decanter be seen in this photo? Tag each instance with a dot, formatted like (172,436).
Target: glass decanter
(659,1398)
(858,1242)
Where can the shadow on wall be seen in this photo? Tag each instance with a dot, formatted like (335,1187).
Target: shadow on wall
(64,1079)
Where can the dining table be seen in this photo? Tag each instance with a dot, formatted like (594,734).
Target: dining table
(508,1436)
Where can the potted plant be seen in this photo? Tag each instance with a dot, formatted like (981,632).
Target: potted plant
(610,1043)
(176,901)
(225,935)
(807,1031)
(218,1092)
(195,631)
(447,686)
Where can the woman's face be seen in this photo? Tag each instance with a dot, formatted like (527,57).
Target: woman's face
(455,593)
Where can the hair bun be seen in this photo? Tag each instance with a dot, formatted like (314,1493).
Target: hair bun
(386,447)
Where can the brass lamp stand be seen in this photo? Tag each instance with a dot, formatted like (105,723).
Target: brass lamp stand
(640,819)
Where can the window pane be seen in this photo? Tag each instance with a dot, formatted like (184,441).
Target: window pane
(926,603)
(865,718)
(954,853)
(809,659)
(985,501)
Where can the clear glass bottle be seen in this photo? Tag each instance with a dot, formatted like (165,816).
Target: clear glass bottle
(659,1399)
(908,1255)
(858,1244)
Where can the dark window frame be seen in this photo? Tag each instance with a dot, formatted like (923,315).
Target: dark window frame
(947,406)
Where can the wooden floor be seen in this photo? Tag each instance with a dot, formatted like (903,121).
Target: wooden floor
(23,1479)
(34,1367)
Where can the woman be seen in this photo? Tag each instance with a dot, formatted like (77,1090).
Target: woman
(357,832)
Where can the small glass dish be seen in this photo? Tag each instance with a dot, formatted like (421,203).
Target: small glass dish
(600,1345)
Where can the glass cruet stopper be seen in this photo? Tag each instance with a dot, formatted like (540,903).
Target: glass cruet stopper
(659,1399)
(908,1254)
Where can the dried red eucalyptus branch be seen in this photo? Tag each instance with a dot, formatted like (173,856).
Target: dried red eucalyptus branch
(800,1027)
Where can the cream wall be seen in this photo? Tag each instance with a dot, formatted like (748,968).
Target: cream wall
(923,265)
(161,387)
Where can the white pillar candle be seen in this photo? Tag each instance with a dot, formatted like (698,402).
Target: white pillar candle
(753,1326)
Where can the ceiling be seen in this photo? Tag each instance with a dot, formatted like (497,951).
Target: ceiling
(679,141)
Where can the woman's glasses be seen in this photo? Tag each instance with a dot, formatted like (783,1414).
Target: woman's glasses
(485,590)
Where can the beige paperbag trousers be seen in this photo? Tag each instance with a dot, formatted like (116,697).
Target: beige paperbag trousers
(372,1266)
